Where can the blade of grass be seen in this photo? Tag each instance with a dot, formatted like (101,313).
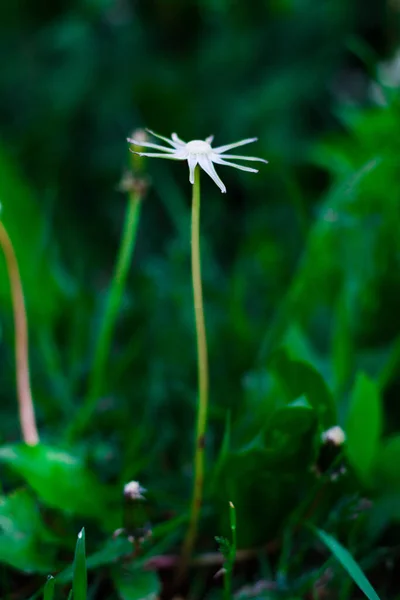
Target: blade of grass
(79,584)
(344,557)
(48,591)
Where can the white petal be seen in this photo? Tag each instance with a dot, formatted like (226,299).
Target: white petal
(210,139)
(157,155)
(192,162)
(220,161)
(208,167)
(149,145)
(244,158)
(177,140)
(161,137)
(229,146)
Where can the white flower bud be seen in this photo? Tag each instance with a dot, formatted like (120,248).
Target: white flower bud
(133,490)
(335,435)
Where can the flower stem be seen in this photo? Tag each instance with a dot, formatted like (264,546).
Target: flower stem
(230,563)
(102,349)
(202,362)
(25,403)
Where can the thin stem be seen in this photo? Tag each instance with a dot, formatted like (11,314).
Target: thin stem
(102,349)
(25,403)
(230,559)
(202,362)
(232,519)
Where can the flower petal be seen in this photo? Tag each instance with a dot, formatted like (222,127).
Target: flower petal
(229,156)
(149,145)
(206,164)
(210,139)
(161,137)
(159,155)
(220,161)
(177,140)
(192,162)
(235,145)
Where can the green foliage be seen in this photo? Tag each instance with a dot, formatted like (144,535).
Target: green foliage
(59,479)
(48,592)
(135,584)
(25,542)
(387,461)
(364,427)
(344,557)
(297,378)
(228,551)
(79,582)
(28,228)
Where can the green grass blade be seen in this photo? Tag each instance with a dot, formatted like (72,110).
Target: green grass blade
(48,592)
(79,584)
(344,557)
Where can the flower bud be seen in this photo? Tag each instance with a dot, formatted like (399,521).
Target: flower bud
(335,436)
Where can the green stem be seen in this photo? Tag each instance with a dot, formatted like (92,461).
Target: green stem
(232,554)
(102,349)
(202,362)
(232,520)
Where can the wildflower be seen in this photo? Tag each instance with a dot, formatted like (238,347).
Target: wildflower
(198,152)
(335,436)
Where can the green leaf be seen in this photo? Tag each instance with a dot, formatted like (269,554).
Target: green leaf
(113,550)
(364,427)
(135,584)
(23,536)
(344,557)
(48,592)
(259,404)
(387,464)
(342,345)
(223,452)
(290,436)
(26,226)
(297,378)
(79,583)
(59,478)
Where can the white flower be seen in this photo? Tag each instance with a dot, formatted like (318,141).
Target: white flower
(198,152)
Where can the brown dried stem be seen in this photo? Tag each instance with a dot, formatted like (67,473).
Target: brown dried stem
(25,403)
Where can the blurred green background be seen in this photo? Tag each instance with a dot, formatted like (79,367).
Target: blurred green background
(301,276)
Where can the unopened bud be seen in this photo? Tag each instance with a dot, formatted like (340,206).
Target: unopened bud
(139,135)
(335,436)
(133,491)
(129,183)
